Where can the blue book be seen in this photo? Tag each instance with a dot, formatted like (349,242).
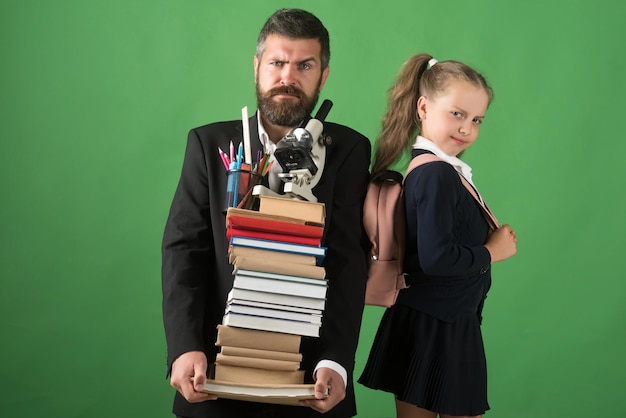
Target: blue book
(318,252)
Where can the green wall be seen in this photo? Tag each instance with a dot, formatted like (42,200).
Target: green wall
(96,101)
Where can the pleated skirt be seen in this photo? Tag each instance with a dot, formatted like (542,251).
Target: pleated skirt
(436,365)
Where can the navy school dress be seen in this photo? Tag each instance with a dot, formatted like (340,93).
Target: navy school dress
(428,350)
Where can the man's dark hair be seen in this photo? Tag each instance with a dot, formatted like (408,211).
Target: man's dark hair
(295,24)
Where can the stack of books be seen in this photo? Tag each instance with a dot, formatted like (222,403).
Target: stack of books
(278,285)
(250,356)
(278,294)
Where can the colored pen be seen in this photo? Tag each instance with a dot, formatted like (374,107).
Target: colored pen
(224,158)
(239,155)
(263,163)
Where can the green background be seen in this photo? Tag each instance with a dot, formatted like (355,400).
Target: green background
(96,101)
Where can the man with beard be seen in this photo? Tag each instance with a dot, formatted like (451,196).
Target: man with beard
(290,67)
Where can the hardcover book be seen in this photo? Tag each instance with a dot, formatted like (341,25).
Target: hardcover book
(271,324)
(282,287)
(269,256)
(318,252)
(243,308)
(227,373)
(280,267)
(255,214)
(279,276)
(276,306)
(277,299)
(257,363)
(278,394)
(262,340)
(231,232)
(258,221)
(303,209)
(256,353)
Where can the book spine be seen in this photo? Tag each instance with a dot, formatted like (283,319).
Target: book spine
(308,211)
(250,338)
(258,363)
(271,266)
(271,324)
(279,276)
(270,256)
(275,298)
(268,305)
(271,236)
(280,287)
(228,373)
(255,214)
(267,225)
(274,313)
(316,251)
(256,353)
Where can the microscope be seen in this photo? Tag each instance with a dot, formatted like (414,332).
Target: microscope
(301,154)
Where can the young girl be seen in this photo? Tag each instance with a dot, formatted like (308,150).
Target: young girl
(428,350)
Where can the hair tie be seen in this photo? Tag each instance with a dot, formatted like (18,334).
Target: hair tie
(431,63)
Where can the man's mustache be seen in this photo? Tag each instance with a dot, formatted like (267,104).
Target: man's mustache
(292,91)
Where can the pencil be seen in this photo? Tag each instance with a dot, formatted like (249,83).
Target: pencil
(224,158)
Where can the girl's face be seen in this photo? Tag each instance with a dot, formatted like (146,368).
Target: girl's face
(452,118)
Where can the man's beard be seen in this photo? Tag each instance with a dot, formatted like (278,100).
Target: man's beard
(286,112)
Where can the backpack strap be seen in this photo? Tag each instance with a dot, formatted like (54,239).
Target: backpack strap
(487,214)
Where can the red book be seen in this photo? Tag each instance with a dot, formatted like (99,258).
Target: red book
(273,226)
(273,236)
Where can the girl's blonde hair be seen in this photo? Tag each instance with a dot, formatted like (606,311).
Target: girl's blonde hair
(401,122)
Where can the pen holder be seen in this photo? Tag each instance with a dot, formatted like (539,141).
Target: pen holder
(239,185)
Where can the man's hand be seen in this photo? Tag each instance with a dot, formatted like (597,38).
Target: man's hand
(191,365)
(326,378)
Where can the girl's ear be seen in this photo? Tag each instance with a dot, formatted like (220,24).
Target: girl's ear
(421,107)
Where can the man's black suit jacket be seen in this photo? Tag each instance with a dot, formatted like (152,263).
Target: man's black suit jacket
(197,276)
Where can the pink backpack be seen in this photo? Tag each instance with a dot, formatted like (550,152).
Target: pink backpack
(384,220)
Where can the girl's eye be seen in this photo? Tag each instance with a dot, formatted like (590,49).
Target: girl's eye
(478,121)
(456,114)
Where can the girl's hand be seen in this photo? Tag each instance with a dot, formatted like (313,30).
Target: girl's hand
(502,243)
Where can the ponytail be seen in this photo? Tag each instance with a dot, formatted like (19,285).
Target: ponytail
(400,123)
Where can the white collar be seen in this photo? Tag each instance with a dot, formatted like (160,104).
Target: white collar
(268,146)
(460,166)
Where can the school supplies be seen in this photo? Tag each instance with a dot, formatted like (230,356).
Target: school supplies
(384,220)
(242,177)
(246,135)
